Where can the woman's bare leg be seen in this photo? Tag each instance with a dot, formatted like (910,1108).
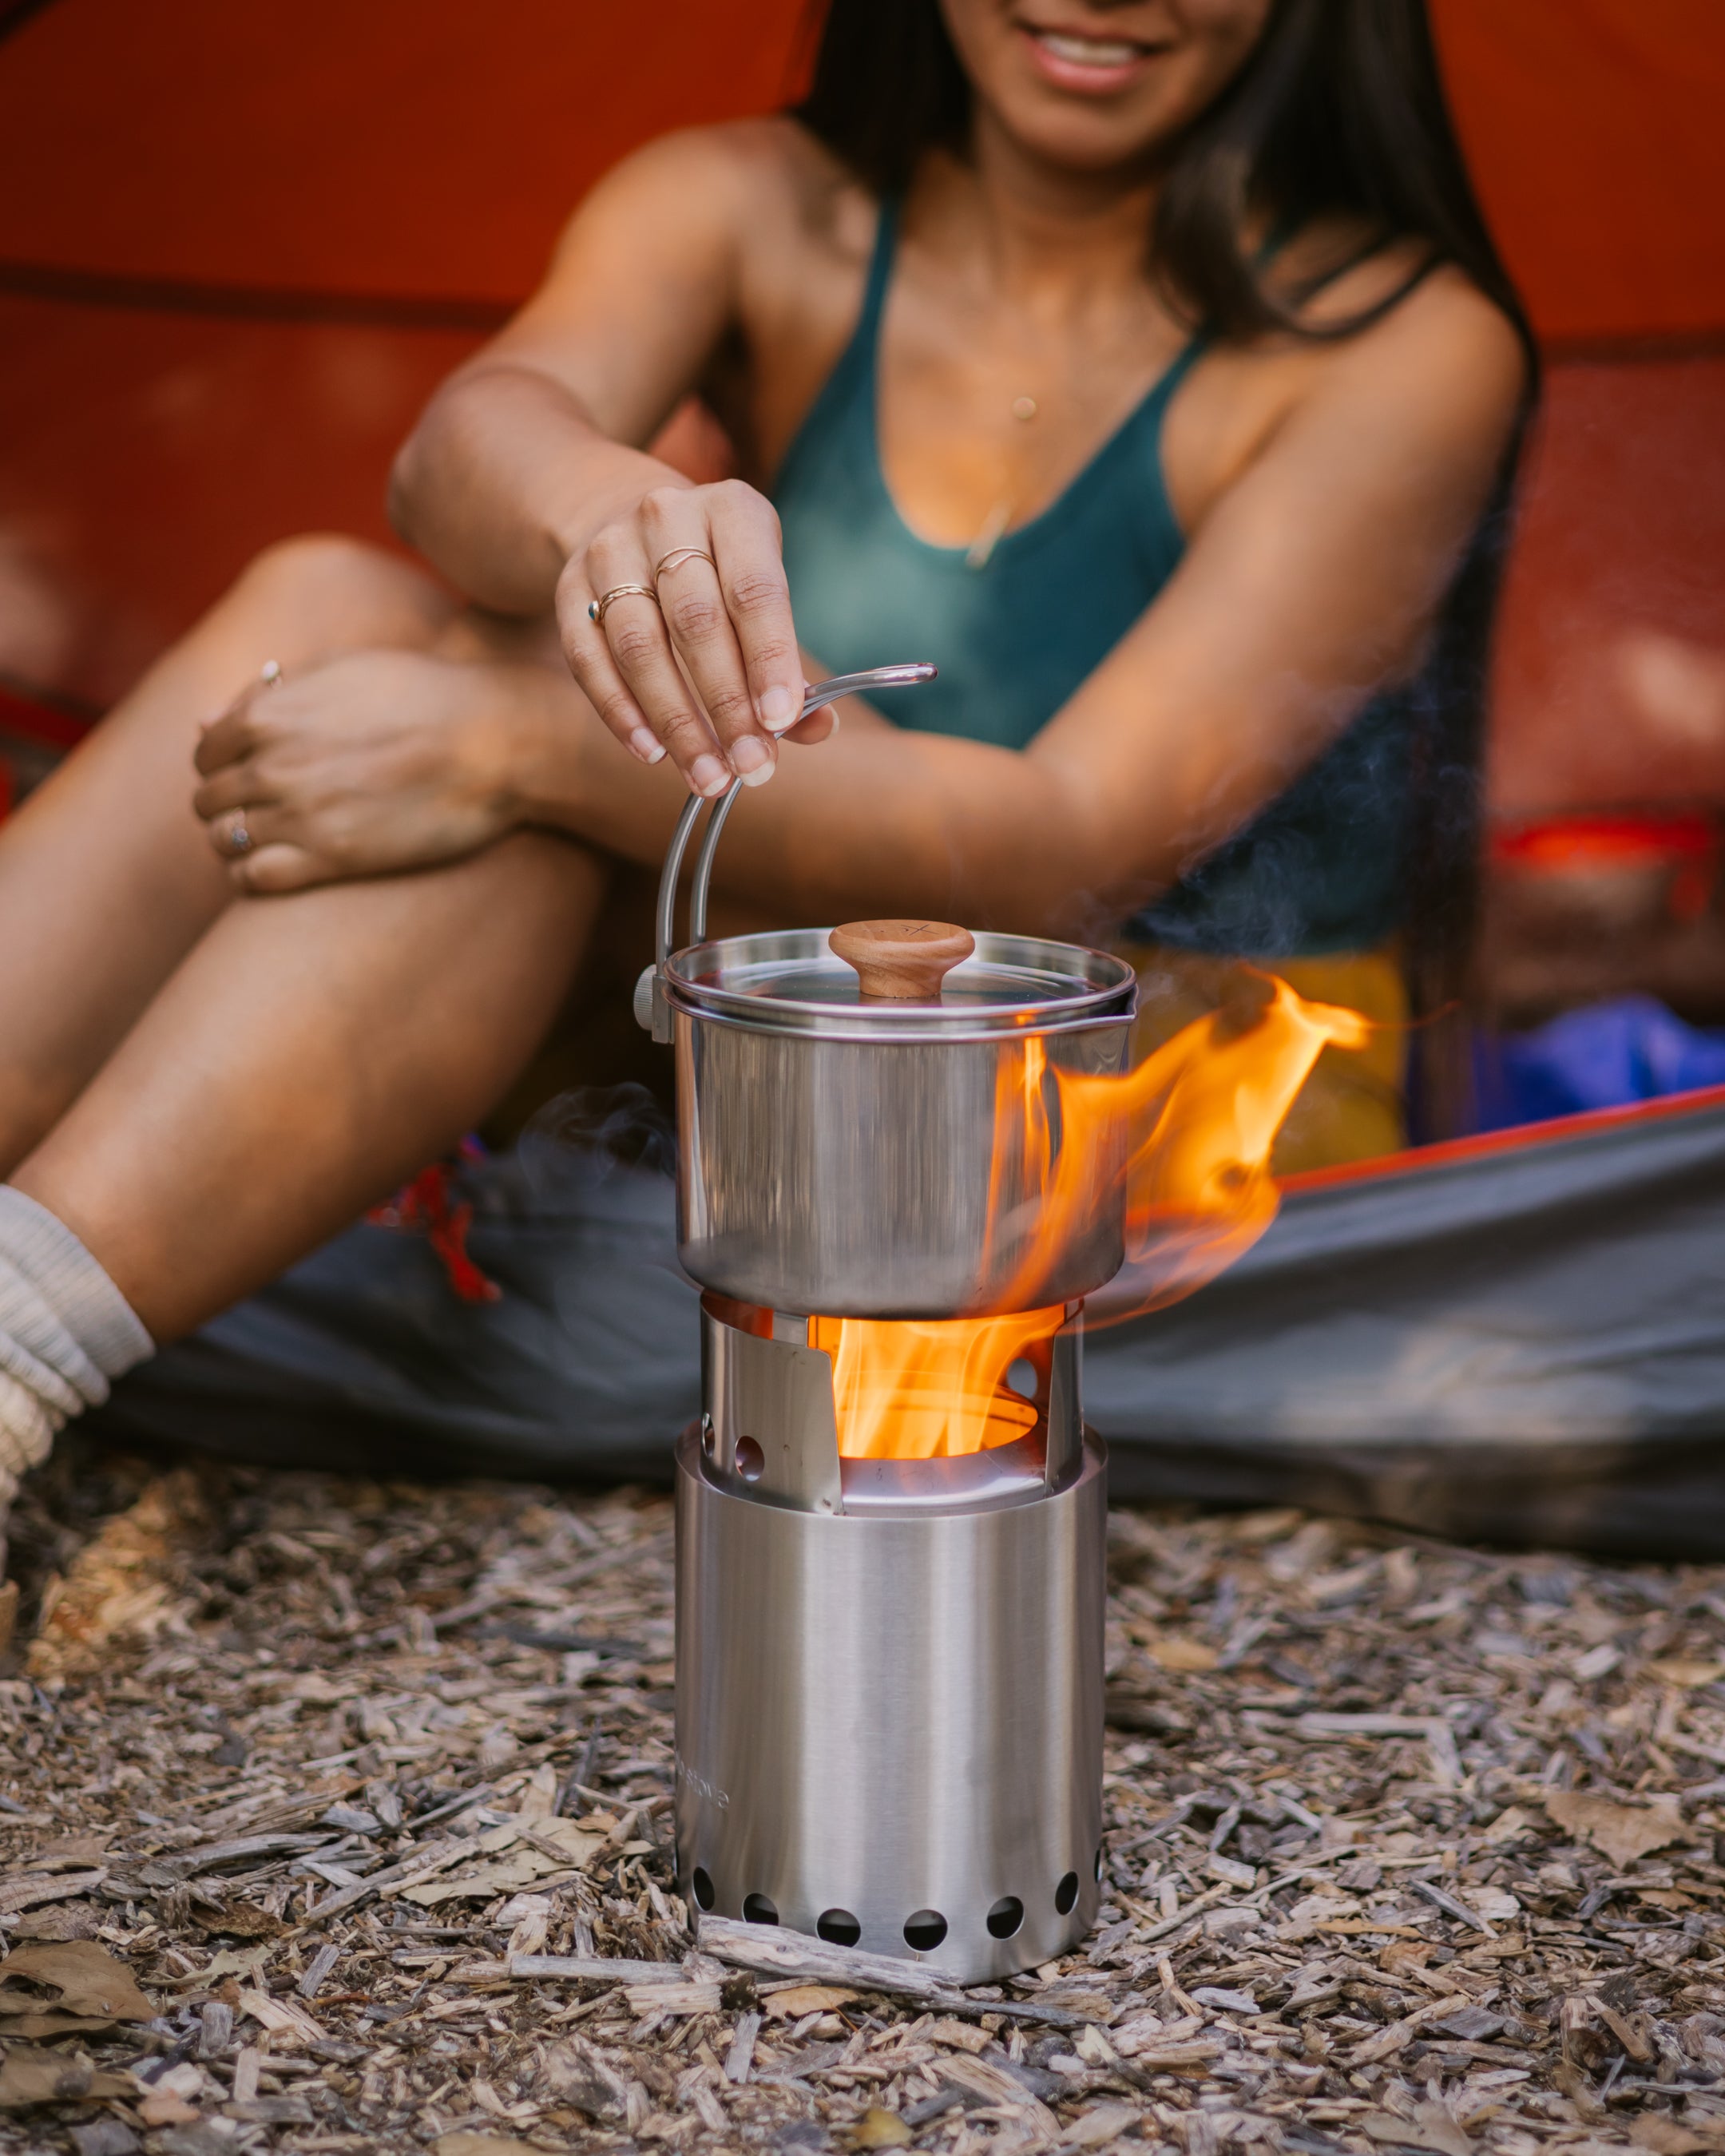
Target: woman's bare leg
(310,1053)
(106,877)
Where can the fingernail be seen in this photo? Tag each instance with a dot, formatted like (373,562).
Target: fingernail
(837,722)
(708,776)
(779,710)
(749,755)
(760,777)
(646,746)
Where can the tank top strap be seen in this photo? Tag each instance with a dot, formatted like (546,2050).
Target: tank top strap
(1162,390)
(867,333)
(838,429)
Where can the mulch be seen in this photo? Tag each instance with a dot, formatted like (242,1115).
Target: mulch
(335,1816)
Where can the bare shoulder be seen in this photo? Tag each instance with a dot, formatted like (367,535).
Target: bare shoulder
(1438,334)
(1434,381)
(763,182)
(807,213)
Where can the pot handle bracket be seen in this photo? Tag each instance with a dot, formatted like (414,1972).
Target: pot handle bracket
(652,1004)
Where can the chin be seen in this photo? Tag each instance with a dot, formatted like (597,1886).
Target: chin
(1084,137)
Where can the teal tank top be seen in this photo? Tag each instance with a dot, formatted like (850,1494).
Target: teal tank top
(1319,869)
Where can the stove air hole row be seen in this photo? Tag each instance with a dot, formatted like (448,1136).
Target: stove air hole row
(924,1930)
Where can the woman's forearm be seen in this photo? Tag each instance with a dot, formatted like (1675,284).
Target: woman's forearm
(504,478)
(878,821)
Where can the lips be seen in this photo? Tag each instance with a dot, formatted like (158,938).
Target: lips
(1074,60)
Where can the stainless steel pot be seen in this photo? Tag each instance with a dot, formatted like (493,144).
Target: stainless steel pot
(882,1157)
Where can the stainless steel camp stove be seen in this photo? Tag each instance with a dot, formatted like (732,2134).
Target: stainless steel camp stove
(889,1670)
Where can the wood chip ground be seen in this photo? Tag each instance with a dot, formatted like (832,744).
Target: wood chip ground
(366,1787)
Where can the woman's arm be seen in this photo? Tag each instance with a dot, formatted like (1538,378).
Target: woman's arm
(1311,583)
(537,442)
(526,483)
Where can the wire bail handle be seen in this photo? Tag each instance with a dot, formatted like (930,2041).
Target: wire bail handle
(652,1006)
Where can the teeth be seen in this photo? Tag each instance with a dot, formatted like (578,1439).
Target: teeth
(1086,51)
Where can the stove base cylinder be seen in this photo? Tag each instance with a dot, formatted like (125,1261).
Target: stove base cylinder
(890,1728)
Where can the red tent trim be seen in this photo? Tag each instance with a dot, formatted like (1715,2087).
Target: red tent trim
(1620,351)
(39,715)
(1448,1152)
(256,303)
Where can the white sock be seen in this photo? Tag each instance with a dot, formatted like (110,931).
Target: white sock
(65,1330)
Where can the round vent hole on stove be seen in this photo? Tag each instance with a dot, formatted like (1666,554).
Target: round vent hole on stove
(1005,1916)
(924,1931)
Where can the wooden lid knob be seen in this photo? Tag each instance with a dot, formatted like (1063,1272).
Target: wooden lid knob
(902,960)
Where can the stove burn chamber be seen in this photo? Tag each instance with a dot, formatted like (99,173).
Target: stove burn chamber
(889,1673)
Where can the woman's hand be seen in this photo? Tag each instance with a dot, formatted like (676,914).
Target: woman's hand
(380,761)
(701,658)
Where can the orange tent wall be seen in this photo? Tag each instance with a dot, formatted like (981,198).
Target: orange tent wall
(407,166)
(403,147)
(1592,130)
(400,146)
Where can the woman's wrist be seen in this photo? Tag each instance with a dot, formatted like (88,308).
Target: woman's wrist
(611,483)
(504,478)
(528,752)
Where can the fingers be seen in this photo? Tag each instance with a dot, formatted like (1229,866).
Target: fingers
(232,787)
(234,734)
(238,832)
(225,740)
(261,857)
(625,664)
(282,868)
(703,661)
(591,663)
(819,726)
(721,588)
(757,599)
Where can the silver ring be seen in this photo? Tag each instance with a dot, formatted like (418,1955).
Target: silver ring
(240,839)
(598,608)
(678,556)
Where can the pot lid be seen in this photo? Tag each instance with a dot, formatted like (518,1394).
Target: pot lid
(792,981)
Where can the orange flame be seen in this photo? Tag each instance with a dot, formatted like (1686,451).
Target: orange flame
(1200,1119)
(1202,1114)
(924,1388)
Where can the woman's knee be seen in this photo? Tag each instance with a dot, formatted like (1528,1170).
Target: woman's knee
(325,592)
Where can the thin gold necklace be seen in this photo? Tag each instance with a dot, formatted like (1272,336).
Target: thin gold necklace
(981,549)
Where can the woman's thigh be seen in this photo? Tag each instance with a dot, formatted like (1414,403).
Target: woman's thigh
(311,1052)
(106,876)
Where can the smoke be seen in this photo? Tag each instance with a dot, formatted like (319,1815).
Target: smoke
(598,1129)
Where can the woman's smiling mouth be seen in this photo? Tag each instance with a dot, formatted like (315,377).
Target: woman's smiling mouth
(1076,60)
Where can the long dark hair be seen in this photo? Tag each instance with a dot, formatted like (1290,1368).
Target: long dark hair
(1339,111)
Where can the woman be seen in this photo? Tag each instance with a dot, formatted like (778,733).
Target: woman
(1143,362)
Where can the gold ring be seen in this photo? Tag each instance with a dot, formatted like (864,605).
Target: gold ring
(598,608)
(684,554)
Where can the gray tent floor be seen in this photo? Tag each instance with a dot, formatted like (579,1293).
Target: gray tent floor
(1523,1344)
